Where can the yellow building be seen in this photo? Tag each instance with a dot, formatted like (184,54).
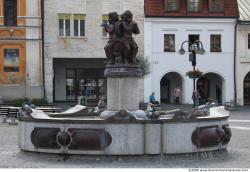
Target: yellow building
(20,49)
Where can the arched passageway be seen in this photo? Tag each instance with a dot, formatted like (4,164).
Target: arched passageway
(168,83)
(210,87)
(246,89)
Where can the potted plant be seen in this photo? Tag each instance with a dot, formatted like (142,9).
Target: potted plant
(194,73)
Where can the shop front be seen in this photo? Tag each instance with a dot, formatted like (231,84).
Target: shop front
(79,77)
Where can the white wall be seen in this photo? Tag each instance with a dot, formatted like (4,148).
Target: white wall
(243,60)
(164,62)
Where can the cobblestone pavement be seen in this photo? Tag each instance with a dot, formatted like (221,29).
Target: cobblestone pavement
(236,156)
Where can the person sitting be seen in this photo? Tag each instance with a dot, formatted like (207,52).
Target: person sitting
(152,99)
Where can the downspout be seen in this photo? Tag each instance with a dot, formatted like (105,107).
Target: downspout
(42,25)
(235,61)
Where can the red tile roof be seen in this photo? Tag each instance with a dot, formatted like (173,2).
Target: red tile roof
(155,8)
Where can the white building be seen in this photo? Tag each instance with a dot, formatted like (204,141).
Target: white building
(167,25)
(243,53)
(74,45)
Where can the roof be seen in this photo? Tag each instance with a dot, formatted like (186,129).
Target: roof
(244,9)
(155,8)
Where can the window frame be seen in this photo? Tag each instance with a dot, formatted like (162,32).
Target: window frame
(11,51)
(189,40)
(165,43)
(213,7)
(213,47)
(64,17)
(104,19)
(200,6)
(81,17)
(14,13)
(168,3)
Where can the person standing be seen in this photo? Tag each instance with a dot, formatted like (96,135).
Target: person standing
(177,94)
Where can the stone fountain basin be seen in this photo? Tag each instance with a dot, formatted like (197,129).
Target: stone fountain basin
(95,136)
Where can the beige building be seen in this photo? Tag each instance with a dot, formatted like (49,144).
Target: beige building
(74,46)
(243,53)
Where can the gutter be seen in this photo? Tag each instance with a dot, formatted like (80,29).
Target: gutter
(235,61)
(43,73)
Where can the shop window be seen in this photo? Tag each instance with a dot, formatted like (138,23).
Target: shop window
(89,83)
(70,84)
(79,25)
(249,41)
(64,24)
(10,12)
(171,5)
(215,43)
(11,60)
(216,5)
(194,5)
(169,43)
(192,39)
(104,20)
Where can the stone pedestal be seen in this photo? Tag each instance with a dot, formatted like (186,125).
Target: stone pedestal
(122,94)
(122,90)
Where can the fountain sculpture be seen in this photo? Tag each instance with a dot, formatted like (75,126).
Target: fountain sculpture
(121,128)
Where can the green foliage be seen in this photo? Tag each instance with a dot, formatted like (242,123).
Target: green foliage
(194,74)
(145,66)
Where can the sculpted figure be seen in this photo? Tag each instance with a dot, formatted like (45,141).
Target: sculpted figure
(110,29)
(121,47)
(130,27)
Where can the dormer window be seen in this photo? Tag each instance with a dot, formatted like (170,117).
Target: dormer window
(171,5)
(216,5)
(194,5)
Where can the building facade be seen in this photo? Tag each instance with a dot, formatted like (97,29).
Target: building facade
(170,22)
(74,46)
(20,49)
(243,53)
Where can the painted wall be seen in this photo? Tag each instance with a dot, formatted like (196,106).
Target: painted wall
(90,46)
(27,38)
(164,62)
(243,60)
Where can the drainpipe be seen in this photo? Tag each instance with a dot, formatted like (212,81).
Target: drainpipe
(42,25)
(235,61)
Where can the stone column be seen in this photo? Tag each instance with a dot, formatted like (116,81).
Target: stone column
(122,90)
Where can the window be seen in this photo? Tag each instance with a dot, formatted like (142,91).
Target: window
(249,41)
(171,5)
(194,5)
(10,12)
(215,43)
(169,43)
(70,84)
(64,24)
(104,20)
(216,5)
(192,39)
(85,82)
(11,60)
(79,25)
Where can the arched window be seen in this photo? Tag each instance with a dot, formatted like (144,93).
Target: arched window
(10,12)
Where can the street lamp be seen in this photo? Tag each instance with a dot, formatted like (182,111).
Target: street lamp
(195,47)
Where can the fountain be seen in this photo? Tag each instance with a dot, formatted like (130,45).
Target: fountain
(121,128)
